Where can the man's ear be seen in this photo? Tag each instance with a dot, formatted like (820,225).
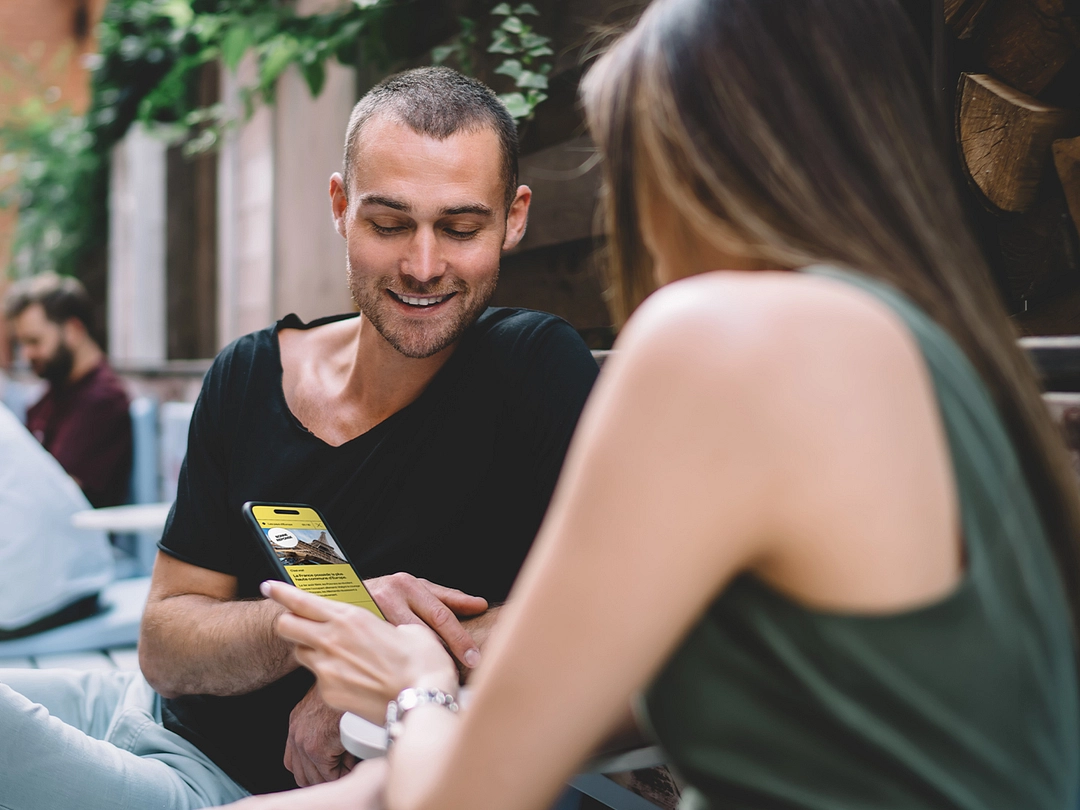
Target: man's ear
(73,332)
(517,218)
(339,202)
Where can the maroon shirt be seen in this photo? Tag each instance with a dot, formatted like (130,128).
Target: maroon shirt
(86,425)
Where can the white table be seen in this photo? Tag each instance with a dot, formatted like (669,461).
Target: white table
(142,517)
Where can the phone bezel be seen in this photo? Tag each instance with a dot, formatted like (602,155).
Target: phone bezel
(279,569)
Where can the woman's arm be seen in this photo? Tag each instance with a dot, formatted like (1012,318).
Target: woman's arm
(775,423)
(664,496)
(360,789)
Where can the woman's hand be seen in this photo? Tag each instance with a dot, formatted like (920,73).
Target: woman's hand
(362,789)
(362,663)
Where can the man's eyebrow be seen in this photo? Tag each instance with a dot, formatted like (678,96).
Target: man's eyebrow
(386,202)
(472,208)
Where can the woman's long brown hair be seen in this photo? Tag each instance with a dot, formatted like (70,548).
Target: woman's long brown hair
(804,129)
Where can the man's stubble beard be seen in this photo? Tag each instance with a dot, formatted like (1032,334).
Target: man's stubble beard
(57,369)
(418,343)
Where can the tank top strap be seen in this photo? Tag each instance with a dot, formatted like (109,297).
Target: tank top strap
(985,464)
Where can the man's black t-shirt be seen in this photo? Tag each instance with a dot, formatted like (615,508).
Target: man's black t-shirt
(451,488)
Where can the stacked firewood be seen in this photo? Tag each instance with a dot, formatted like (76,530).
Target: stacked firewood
(1017,125)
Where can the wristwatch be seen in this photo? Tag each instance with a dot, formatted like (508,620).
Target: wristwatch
(408,700)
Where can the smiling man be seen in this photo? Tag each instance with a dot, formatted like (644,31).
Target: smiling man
(428,429)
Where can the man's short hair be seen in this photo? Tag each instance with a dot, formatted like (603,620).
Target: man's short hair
(437,102)
(62,298)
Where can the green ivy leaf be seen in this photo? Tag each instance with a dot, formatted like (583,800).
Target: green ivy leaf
(206,27)
(502,44)
(442,53)
(348,36)
(350,31)
(511,68)
(502,10)
(105,116)
(131,48)
(367,3)
(315,76)
(513,24)
(279,53)
(179,11)
(234,45)
(528,78)
(527,8)
(534,97)
(531,40)
(201,143)
(516,105)
(543,50)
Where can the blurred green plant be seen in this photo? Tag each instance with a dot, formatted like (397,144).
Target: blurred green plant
(51,172)
(54,165)
(527,55)
(525,61)
(460,48)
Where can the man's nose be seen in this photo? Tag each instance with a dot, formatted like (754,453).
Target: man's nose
(425,262)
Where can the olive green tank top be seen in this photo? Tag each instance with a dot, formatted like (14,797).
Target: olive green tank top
(970,702)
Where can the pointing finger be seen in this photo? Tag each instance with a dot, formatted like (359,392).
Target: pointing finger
(295,600)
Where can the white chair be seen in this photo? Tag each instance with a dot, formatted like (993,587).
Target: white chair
(116,624)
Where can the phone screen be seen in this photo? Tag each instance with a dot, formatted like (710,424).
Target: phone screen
(311,556)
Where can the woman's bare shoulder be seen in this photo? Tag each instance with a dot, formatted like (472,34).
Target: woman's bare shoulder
(810,387)
(766,326)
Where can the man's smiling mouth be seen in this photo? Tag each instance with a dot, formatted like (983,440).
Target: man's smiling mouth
(421,301)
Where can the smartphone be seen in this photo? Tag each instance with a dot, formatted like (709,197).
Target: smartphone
(304,552)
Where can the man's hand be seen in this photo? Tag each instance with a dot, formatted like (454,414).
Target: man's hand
(314,753)
(404,599)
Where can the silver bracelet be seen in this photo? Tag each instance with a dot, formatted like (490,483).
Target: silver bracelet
(408,700)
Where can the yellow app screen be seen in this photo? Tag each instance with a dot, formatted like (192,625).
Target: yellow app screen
(310,555)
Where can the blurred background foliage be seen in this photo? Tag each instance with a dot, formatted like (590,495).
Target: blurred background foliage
(55,165)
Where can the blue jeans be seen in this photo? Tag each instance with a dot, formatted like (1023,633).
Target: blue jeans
(94,741)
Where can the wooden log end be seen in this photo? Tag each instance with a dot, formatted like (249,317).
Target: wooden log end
(1026,42)
(1005,137)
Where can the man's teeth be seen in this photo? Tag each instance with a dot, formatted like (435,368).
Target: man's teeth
(421,302)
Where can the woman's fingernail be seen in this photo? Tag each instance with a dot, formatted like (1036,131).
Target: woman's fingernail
(264,588)
(472,659)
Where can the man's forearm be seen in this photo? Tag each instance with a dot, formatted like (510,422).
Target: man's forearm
(197,645)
